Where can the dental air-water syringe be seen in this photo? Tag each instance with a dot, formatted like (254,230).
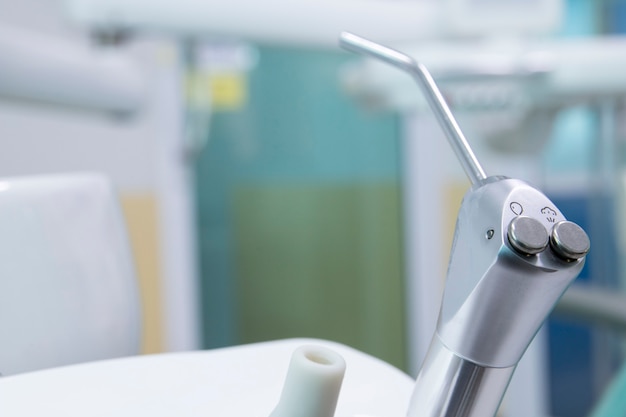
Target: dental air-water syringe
(514,254)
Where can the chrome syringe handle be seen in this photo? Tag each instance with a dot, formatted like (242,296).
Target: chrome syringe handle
(435,100)
(513,256)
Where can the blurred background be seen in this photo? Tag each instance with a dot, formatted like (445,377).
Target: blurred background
(274,186)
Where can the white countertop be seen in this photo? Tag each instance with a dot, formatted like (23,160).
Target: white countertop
(240,381)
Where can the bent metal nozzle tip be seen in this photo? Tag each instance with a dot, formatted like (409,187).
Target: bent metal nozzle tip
(437,103)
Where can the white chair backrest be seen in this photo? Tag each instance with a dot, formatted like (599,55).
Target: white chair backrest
(68,291)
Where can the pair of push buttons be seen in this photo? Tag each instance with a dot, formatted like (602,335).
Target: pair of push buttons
(529,237)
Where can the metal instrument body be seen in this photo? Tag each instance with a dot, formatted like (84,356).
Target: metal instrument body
(513,256)
(522,289)
(495,301)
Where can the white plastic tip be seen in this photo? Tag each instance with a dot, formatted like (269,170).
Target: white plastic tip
(312,384)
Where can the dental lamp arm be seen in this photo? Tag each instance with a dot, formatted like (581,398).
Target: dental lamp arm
(66,73)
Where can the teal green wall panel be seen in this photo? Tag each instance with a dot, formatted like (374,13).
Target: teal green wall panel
(322,261)
(302,148)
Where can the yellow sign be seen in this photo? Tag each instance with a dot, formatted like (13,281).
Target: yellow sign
(229,91)
(217,91)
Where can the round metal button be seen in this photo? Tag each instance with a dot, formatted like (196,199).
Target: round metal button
(527,235)
(569,240)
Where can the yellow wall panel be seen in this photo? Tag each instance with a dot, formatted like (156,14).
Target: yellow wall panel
(140,211)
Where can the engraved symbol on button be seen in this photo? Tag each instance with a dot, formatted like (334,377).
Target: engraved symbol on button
(517,208)
(550,214)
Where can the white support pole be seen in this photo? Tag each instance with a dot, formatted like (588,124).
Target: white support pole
(176,209)
(423,188)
